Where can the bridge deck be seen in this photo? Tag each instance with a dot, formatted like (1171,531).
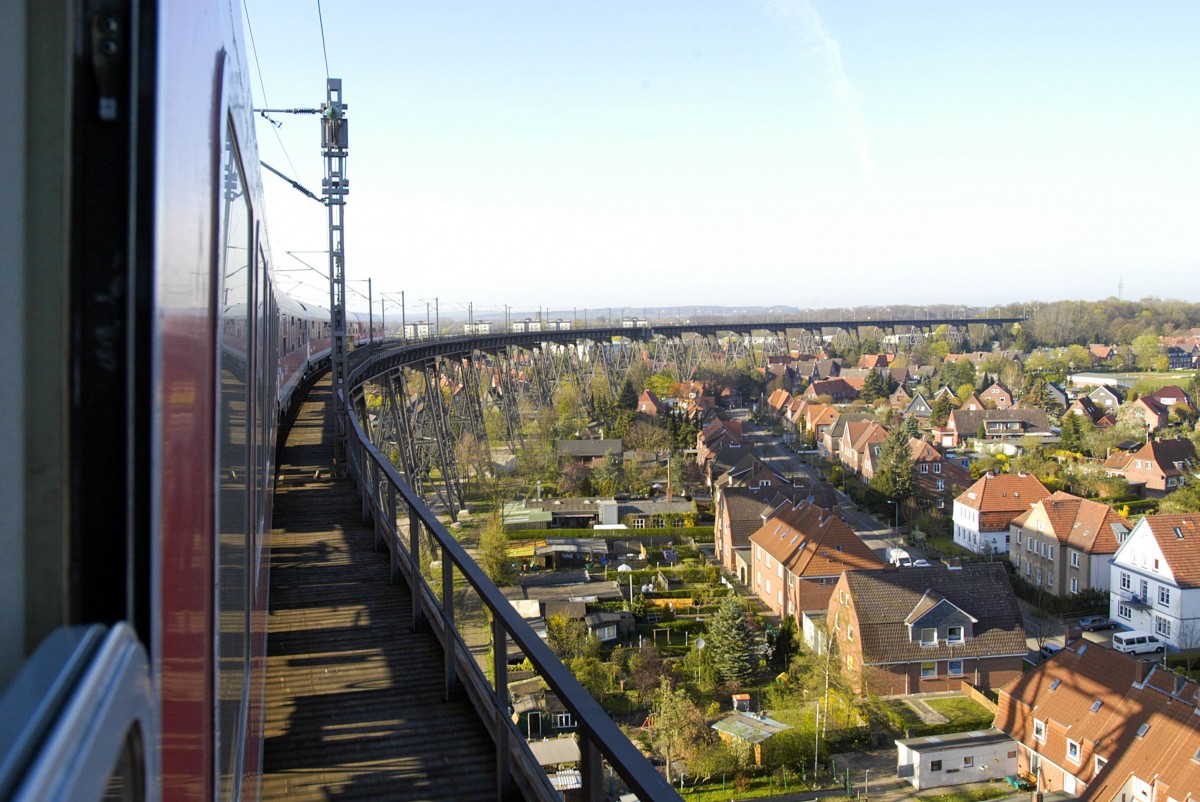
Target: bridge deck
(353,699)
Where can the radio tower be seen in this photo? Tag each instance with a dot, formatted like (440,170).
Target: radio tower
(335,187)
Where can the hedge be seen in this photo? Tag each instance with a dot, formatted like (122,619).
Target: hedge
(701,534)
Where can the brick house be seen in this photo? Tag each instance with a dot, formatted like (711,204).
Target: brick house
(856,440)
(830,441)
(1063,544)
(1147,412)
(998,424)
(798,554)
(917,630)
(840,390)
(1157,468)
(1104,726)
(984,510)
(936,479)
(997,397)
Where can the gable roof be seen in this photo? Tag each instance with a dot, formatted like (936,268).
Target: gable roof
(811,541)
(1088,526)
(1173,457)
(1101,699)
(1178,536)
(884,601)
(967,421)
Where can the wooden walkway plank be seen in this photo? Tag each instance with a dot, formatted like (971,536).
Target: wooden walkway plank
(353,701)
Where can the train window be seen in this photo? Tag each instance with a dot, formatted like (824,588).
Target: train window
(235,455)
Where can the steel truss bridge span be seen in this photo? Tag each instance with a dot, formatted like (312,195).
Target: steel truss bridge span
(431,394)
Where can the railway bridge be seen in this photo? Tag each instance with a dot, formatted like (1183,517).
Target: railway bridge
(387,670)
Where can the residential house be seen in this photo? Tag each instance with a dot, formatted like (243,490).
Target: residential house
(818,418)
(1171,395)
(1106,398)
(798,554)
(1179,358)
(1087,408)
(997,397)
(936,479)
(650,404)
(840,390)
(1155,581)
(874,361)
(983,512)
(853,450)
(1103,353)
(1157,468)
(1057,394)
(900,376)
(778,402)
(830,442)
(715,436)
(730,455)
(997,424)
(1104,726)
(917,630)
(1063,543)
(1147,412)
(739,512)
(900,398)
(919,408)
(972,404)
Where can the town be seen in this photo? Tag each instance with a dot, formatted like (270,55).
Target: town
(867,562)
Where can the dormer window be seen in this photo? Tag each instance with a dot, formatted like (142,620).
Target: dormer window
(954,635)
(1039,730)
(929,636)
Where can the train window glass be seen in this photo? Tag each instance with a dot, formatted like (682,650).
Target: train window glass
(234,452)
(127,782)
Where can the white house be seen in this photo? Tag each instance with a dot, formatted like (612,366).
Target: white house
(1155,579)
(984,510)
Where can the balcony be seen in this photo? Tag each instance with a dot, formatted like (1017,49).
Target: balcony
(1134,599)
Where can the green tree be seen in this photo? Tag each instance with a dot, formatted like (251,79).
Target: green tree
(873,387)
(493,551)
(628,399)
(1146,350)
(940,411)
(786,644)
(677,723)
(1181,502)
(894,477)
(569,638)
(731,643)
(1072,432)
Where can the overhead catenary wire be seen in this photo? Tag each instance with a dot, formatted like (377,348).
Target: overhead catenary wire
(324,51)
(263,86)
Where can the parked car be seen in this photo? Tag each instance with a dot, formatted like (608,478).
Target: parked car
(1091,623)
(1049,650)
(920,564)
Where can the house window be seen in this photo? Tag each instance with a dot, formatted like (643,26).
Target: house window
(849,633)
(954,635)
(1050,553)
(1018,537)
(563,721)
(968,761)
(1039,730)
(1126,582)
(639,523)
(954,668)
(1074,559)
(1124,611)
(928,636)
(928,670)
(1164,595)
(935,765)
(1162,626)
(924,467)
(1072,751)
(1074,584)
(780,571)
(768,587)
(937,468)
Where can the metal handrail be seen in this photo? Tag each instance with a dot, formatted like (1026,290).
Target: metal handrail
(379,485)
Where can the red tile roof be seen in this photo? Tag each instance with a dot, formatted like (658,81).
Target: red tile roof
(811,541)
(1005,492)
(1082,524)
(1178,537)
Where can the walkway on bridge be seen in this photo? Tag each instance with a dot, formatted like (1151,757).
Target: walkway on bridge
(354,704)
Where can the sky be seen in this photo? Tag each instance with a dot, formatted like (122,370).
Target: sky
(654,153)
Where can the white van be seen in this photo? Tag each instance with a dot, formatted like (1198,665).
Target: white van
(1135,642)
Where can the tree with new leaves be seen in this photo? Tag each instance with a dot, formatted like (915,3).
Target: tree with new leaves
(569,638)
(677,722)
(894,476)
(731,643)
(493,551)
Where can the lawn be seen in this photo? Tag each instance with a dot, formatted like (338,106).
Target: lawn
(944,544)
(759,787)
(964,713)
(969,795)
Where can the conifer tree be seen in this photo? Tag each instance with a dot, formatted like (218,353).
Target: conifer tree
(730,643)
(894,477)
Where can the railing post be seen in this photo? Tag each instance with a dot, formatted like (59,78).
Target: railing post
(414,566)
(449,640)
(500,672)
(377,514)
(366,485)
(393,535)
(591,771)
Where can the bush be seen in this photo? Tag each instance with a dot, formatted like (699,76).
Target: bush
(701,534)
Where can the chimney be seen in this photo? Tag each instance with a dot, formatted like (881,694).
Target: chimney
(1141,670)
